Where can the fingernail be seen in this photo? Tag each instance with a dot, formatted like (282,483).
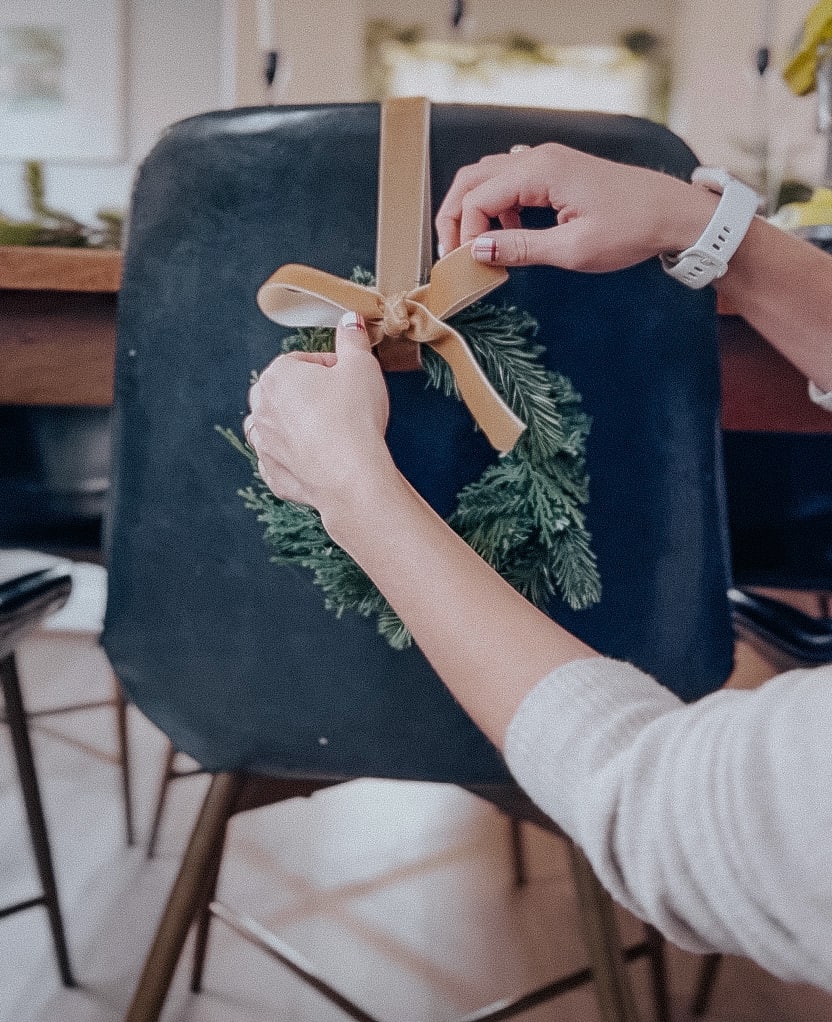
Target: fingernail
(441,251)
(484,250)
(353,321)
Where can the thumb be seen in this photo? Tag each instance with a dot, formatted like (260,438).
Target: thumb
(351,335)
(555,246)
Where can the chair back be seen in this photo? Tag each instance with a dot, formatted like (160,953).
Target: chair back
(236,659)
(779,488)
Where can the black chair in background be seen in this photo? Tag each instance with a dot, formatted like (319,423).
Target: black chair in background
(238,661)
(54,478)
(779,489)
(54,485)
(24,603)
(787,636)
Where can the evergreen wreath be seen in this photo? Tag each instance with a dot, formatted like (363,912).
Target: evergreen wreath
(523,515)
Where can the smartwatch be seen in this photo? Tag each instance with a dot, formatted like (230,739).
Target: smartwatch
(707,259)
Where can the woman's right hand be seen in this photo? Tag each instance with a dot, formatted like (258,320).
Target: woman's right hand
(318,420)
(610,215)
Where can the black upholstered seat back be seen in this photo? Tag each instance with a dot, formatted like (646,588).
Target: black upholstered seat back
(237,660)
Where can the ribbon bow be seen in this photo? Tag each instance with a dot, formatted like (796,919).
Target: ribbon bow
(402,308)
(298,295)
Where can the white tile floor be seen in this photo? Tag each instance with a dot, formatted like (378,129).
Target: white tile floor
(401,892)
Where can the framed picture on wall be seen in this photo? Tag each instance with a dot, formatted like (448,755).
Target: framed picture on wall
(62,80)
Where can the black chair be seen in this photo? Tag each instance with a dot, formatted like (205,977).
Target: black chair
(24,602)
(85,577)
(54,481)
(212,642)
(780,509)
(54,476)
(784,633)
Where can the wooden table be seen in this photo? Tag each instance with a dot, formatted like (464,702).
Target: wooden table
(57,343)
(57,325)
(760,389)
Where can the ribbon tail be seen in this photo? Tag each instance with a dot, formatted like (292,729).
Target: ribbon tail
(492,414)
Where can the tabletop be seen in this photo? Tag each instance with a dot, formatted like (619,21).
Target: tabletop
(58,330)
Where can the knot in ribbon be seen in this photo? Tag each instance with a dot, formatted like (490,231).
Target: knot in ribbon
(396,319)
(301,296)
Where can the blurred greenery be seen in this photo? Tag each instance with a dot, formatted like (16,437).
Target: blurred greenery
(472,59)
(793,191)
(48,226)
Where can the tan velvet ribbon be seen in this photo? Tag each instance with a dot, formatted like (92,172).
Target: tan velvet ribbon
(403,307)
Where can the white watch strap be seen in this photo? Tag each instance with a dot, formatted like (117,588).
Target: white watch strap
(820,397)
(707,259)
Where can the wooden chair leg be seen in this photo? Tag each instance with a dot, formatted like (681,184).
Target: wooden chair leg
(615,997)
(120,703)
(161,797)
(705,984)
(18,725)
(658,974)
(518,852)
(184,900)
(203,922)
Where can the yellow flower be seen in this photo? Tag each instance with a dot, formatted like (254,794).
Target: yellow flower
(800,73)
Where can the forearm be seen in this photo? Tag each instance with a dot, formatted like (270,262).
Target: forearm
(778,283)
(612,215)
(782,286)
(487,643)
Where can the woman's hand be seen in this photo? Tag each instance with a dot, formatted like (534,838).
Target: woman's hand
(318,420)
(610,215)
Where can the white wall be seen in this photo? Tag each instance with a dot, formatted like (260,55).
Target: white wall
(562,22)
(176,53)
(720,105)
(321,46)
(173,71)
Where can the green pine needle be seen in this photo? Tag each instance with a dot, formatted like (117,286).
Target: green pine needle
(524,515)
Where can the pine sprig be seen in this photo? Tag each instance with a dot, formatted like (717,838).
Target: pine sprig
(524,515)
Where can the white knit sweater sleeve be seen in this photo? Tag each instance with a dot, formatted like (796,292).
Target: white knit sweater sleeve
(713,820)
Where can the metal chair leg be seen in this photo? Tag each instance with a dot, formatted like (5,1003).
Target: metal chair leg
(658,974)
(183,902)
(203,923)
(705,984)
(615,996)
(120,704)
(161,797)
(16,718)
(518,852)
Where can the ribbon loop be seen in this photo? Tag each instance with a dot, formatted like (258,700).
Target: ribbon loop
(302,296)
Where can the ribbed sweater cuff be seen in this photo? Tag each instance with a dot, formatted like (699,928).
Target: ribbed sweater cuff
(574,721)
